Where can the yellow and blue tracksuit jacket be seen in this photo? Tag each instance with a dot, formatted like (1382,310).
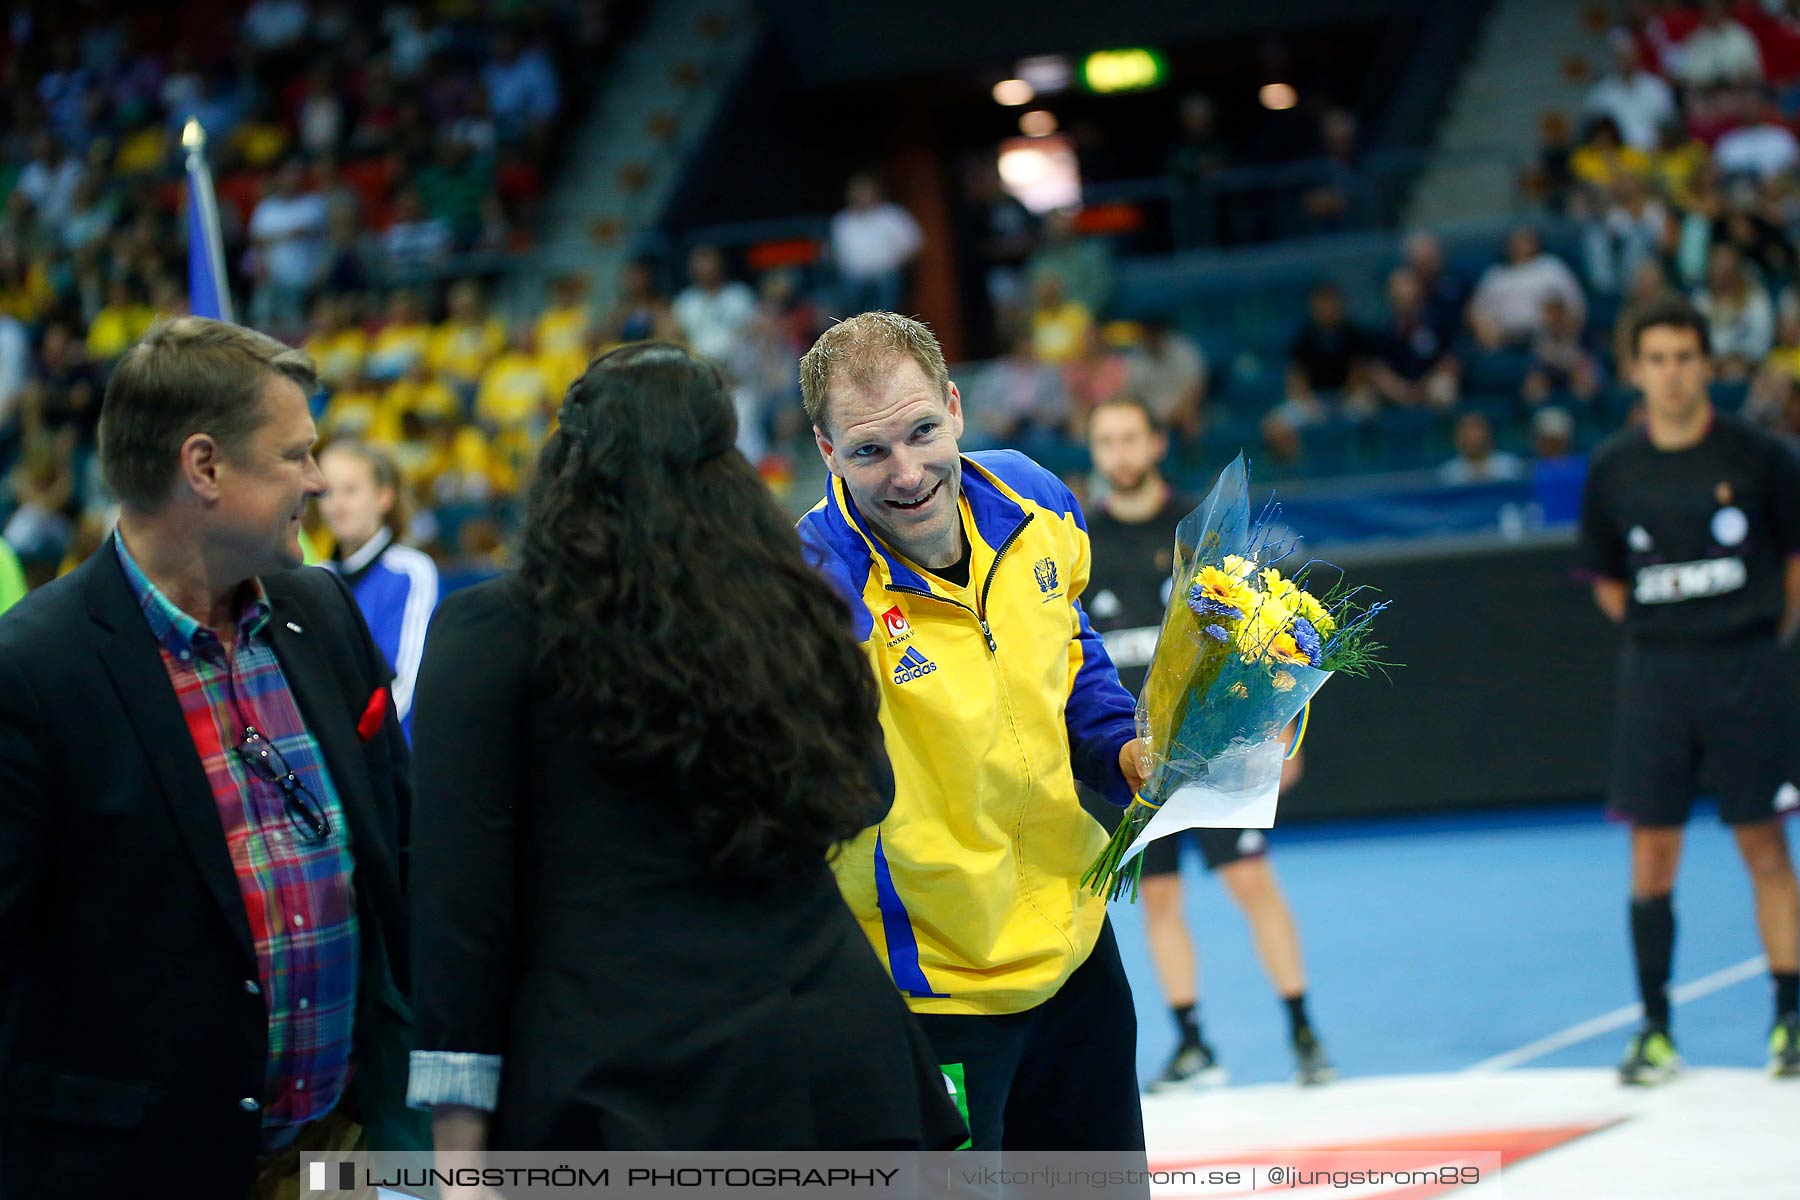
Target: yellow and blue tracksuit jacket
(995,697)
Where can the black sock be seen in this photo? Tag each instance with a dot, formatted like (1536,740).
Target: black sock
(1296,1013)
(1653,944)
(1787,993)
(1187,1023)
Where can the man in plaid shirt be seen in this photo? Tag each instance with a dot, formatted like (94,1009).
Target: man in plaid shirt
(203,802)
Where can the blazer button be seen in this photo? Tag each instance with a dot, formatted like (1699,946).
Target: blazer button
(251,987)
(249,1105)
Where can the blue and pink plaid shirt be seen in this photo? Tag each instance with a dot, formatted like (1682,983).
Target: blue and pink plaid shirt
(297,888)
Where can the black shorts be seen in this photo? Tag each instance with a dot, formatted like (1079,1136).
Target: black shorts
(1719,717)
(1218,847)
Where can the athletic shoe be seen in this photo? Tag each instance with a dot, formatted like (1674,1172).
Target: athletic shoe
(1784,1048)
(1193,1068)
(1650,1059)
(1311,1067)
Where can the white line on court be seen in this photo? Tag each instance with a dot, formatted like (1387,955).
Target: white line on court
(1619,1018)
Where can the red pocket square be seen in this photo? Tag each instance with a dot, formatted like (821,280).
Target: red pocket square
(369,724)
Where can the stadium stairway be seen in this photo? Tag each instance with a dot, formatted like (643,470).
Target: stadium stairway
(1491,131)
(656,107)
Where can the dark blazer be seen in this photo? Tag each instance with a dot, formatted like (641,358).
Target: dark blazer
(134,1033)
(566,921)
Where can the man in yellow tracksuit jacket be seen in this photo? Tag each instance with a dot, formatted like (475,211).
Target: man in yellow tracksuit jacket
(962,575)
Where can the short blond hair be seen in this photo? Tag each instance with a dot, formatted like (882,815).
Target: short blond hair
(187,375)
(859,349)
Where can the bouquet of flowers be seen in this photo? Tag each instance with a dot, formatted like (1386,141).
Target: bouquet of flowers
(1242,651)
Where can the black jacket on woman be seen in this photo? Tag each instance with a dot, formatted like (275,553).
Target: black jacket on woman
(567,922)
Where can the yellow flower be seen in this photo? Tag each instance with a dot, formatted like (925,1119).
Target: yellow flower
(1268,619)
(1240,690)
(1278,587)
(1239,567)
(1284,682)
(1218,586)
(1307,605)
(1283,648)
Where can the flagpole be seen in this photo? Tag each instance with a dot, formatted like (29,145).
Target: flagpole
(208,295)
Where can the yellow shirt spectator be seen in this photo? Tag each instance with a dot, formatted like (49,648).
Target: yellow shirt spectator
(115,328)
(397,347)
(563,330)
(31,297)
(462,352)
(513,390)
(143,152)
(351,412)
(560,370)
(1060,334)
(339,356)
(429,398)
(1601,166)
(260,144)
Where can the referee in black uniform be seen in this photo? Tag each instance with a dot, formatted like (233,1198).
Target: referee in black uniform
(1690,528)
(1132,533)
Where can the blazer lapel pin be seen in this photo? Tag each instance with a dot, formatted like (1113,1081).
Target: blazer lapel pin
(293,627)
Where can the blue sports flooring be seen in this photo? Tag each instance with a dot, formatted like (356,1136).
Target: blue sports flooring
(1433,943)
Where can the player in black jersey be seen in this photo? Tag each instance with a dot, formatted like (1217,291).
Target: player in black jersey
(1690,528)
(1132,533)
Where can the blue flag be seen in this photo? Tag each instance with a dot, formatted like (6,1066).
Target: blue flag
(207,294)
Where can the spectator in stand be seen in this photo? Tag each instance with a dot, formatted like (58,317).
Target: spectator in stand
(1548,180)
(872,241)
(1096,375)
(713,310)
(467,341)
(416,241)
(1639,102)
(522,88)
(338,344)
(1327,371)
(1780,368)
(421,393)
(1004,232)
(1446,293)
(15,371)
(1740,320)
(271,26)
(1199,154)
(1345,199)
(1633,227)
(1083,264)
(1060,324)
(1604,158)
(1561,360)
(1719,51)
(403,338)
(117,326)
(288,232)
(1676,162)
(70,386)
(50,178)
(515,395)
(1508,305)
(1758,240)
(1410,363)
(1168,374)
(642,313)
(1649,286)
(1761,148)
(1552,434)
(1477,461)
(1016,400)
(564,326)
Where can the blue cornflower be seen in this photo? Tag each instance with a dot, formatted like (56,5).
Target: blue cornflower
(1209,606)
(1217,633)
(1307,638)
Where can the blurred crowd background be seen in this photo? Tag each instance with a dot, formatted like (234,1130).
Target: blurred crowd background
(1279,232)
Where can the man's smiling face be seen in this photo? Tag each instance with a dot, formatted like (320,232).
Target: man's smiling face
(893,443)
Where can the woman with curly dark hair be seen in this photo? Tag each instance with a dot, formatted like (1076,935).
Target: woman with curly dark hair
(633,758)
